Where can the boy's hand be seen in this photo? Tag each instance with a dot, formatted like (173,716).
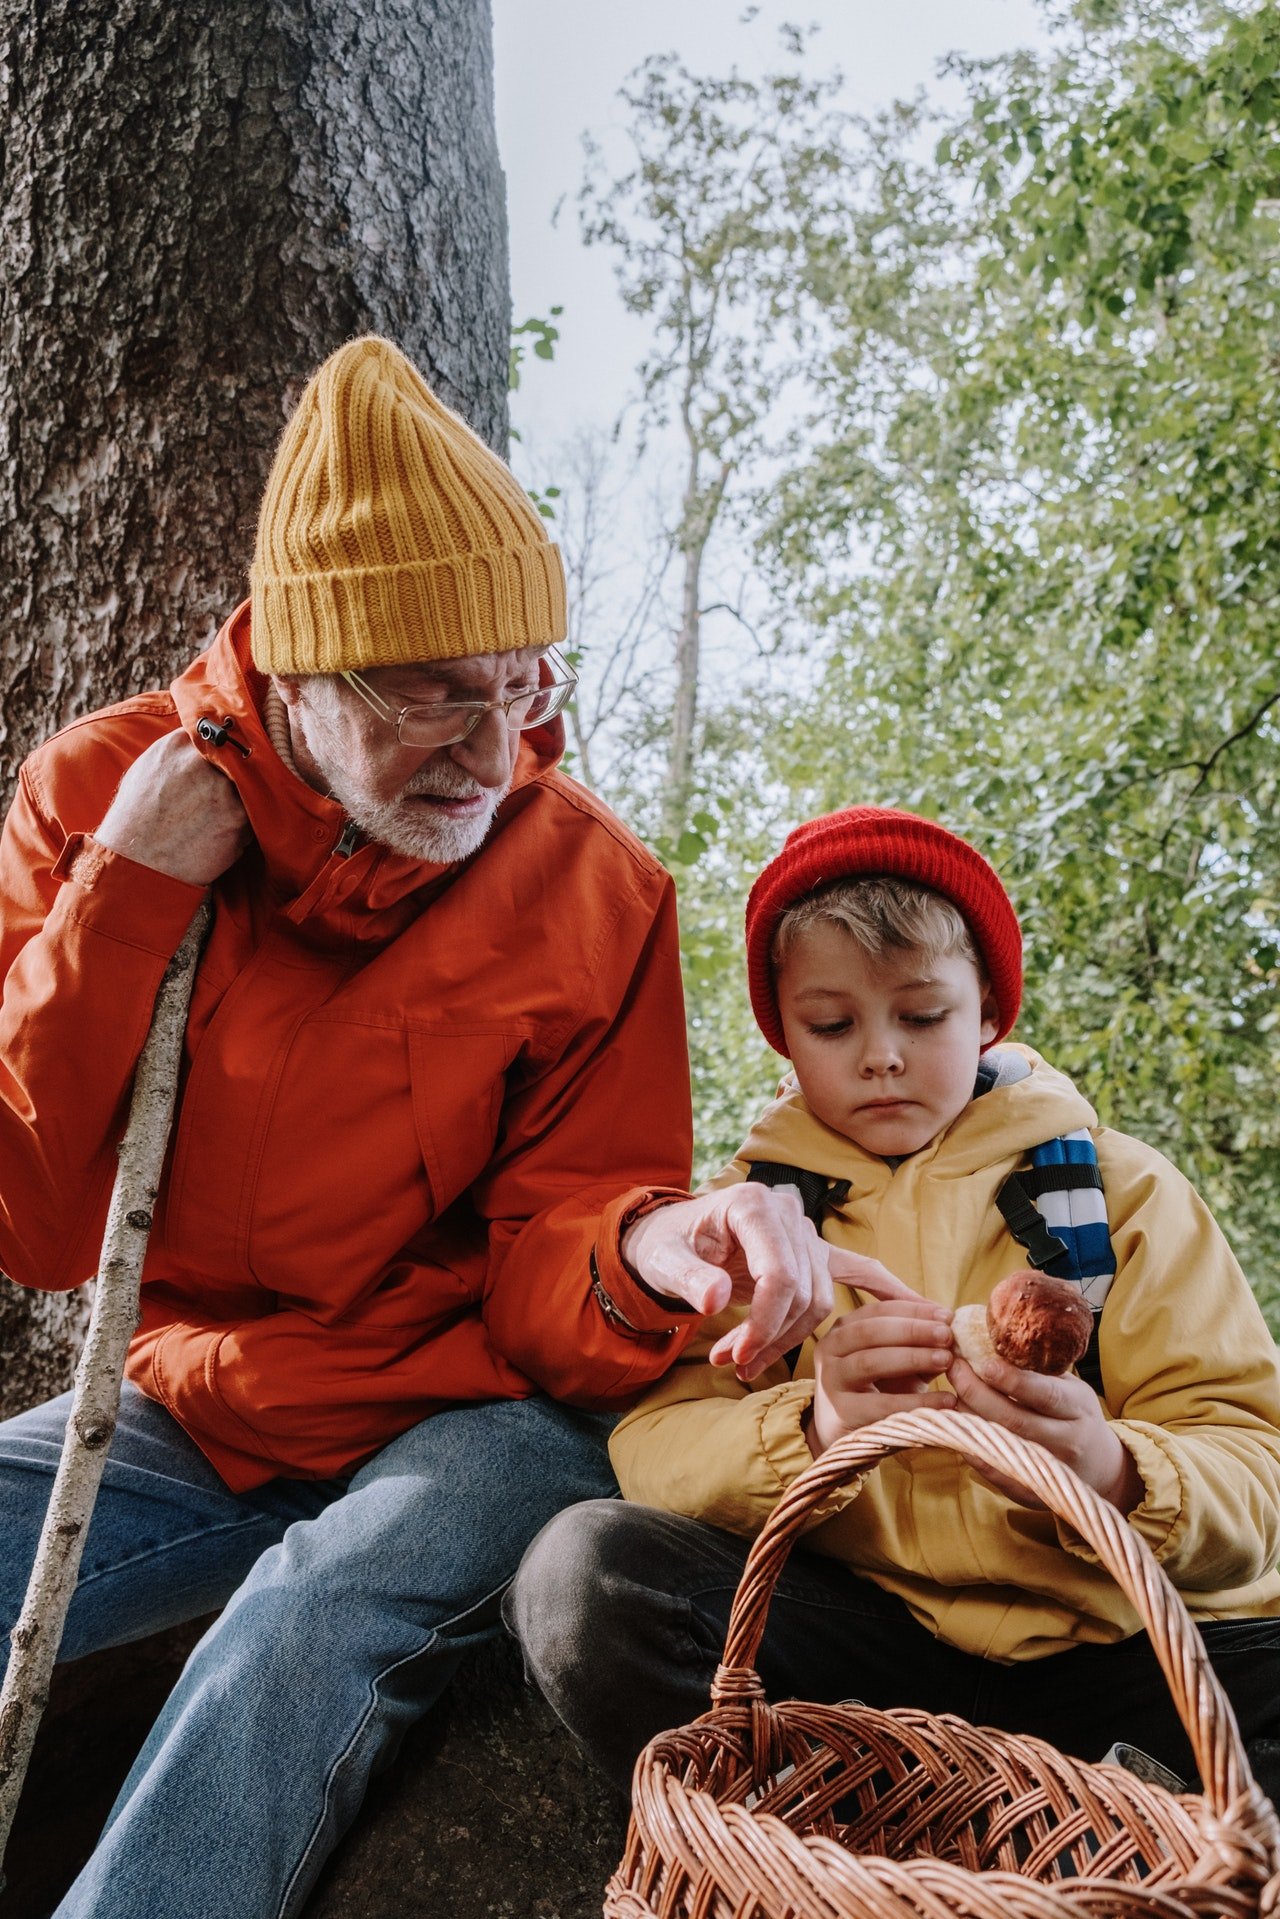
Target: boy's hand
(748,1243)
(878,1359)
(1064,1416)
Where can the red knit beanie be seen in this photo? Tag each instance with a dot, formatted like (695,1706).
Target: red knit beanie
(864,842)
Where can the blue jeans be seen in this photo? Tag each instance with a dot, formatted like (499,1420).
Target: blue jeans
(348,1605)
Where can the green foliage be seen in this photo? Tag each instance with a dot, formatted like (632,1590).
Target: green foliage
(544,336)
(1036,527)
(1030,527)
(706,224)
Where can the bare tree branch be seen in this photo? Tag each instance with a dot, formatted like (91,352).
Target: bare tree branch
(1203,767)
(723,606)
(38,1633)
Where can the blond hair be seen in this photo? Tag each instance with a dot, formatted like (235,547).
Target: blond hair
(882,914)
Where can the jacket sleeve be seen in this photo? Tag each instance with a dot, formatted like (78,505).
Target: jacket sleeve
(603,1127)
(85,936)
(1193,1391)
(705,1444)
(1191,1378)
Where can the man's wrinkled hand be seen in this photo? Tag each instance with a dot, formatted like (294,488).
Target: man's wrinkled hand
(177,814)
(752,1244)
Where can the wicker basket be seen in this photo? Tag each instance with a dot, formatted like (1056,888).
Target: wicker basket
(801,1811)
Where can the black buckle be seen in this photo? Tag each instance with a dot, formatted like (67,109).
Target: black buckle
(215,733)
(1027,1224)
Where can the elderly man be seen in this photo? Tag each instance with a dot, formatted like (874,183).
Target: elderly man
(434,1079)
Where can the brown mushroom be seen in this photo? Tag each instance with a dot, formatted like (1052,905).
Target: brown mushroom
(1032,1320)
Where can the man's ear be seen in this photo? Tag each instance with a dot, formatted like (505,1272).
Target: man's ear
(287,686)
(989,1014)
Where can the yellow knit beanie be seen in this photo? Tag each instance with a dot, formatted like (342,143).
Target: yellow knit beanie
(389,533)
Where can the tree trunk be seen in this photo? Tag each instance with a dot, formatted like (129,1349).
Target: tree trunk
(694,533)
(684,711)
(699,513)
(199,206)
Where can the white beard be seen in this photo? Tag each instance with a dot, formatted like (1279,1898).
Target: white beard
(397,823)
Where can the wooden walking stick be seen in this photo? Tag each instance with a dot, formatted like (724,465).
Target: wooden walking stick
(38,1633)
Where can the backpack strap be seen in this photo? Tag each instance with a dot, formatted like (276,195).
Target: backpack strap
(817,1193)
(1057,1210)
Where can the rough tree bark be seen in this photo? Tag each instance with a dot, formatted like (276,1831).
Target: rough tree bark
(199,205)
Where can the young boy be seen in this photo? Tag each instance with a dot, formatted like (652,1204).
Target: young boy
(884,960)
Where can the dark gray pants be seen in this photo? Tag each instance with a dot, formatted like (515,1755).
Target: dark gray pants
(622,1613)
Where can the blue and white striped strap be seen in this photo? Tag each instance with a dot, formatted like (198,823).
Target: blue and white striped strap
(1066,1188)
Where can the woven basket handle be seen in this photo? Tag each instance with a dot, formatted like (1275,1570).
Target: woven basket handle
(1202,1705)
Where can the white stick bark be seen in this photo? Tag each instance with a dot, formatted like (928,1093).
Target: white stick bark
(38,1633)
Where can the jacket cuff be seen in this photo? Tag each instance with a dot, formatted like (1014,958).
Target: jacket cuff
(784,1447)
(642,1311)
(109,893)
(1155,1519)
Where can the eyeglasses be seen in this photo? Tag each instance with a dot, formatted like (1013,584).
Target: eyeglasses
(448,721)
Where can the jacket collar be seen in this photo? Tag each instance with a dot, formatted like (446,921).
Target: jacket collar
(1005,1122)
(297,830)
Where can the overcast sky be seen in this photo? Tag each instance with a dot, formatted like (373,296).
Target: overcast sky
(559,66)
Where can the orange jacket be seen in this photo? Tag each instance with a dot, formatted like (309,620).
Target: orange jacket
(413,1097)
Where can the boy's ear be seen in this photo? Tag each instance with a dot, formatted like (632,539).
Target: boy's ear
(989,1013)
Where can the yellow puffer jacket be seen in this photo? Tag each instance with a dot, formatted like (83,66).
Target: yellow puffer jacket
(1191,1375)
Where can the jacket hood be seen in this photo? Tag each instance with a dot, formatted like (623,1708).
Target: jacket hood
(298,830)
(1007,1120)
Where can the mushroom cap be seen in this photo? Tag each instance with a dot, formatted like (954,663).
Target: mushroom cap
(1039,1323)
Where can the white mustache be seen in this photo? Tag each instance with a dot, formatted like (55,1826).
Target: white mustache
(433,789)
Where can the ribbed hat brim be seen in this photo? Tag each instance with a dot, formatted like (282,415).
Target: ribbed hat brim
(451,608)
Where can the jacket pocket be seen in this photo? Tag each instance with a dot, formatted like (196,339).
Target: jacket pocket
(458,1082)
(336,1184)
